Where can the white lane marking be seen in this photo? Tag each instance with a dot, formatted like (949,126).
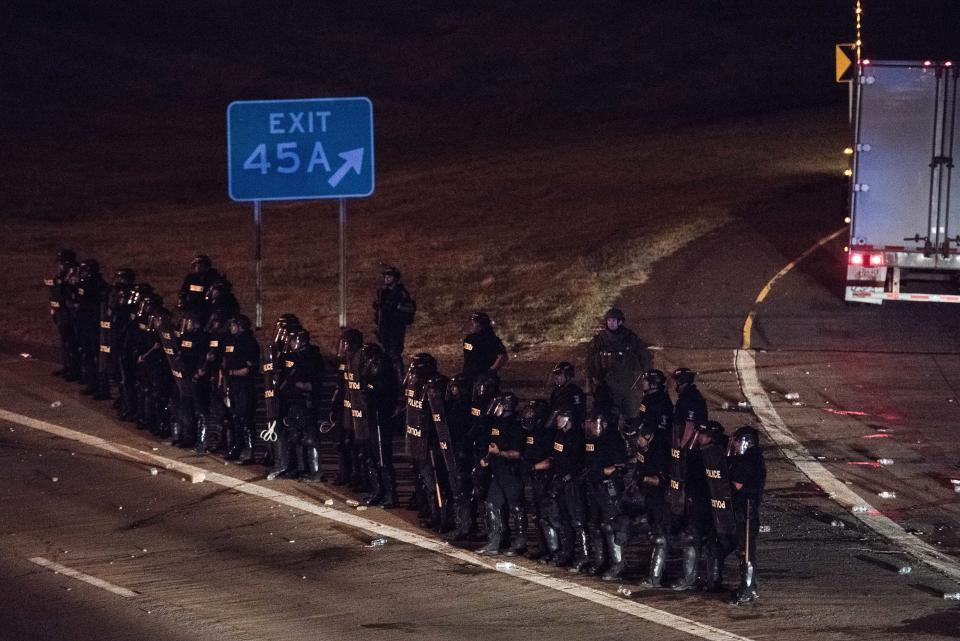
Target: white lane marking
(632,608)
(780,434)
(86,578)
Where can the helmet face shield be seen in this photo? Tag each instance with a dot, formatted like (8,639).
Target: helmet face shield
(594,427)
(564,421)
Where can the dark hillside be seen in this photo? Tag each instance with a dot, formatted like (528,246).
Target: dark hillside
(101,92)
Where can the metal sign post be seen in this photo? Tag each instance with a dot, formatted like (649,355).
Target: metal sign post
(343,263)
(300,150)
(258,256)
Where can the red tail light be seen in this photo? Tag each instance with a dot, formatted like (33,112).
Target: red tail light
(856,258)
(876,260)
(860,259)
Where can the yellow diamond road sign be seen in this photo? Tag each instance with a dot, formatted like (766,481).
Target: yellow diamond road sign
(846,54)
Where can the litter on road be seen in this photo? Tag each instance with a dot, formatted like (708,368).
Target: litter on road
(56,404)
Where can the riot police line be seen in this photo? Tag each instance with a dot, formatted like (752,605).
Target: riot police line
(583,480)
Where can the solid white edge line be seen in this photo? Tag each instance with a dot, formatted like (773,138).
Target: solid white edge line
(632,608)
(780,434)
(80,576)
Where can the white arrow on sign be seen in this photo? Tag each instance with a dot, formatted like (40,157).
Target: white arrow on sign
(353,159)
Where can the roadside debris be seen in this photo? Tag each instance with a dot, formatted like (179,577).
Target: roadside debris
(55,479)
(328,502)
(905,570)
(378,542)
(505,565)
(361,508)
(864,463)
(952,596)
(876,436)
(624,591)
(764,529)
(25,355)
(861,509)
(886,494)
(840,525)
(885,461)
(352,503)
(56,404)
(739,406)
(792,396)
(153,471)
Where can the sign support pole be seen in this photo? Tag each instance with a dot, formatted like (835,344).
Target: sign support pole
(258,258)
(343,263)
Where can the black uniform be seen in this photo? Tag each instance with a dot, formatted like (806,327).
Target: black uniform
(566,509)
(393,311)
(91,299)
(298,433)
(748,469)
(608,524)
(480,351)
(61,291)
(241,352)
(191,354)
(192,295)
(113,327)
(505,491)
(380,387)
(538,447)
(690,411)
(421,439)
(569,395)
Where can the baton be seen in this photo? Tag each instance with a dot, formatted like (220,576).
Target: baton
(436,481)
(746,552)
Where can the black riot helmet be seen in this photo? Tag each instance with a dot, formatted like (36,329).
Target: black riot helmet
(189,322)
(712,429)
(503,406)
(124,278)
(481,320)
(148,304)
(744,438)
(390,270)
(65,255)
(286,325)
(654,380)
(683,376)
(485,387)
(533,414)
(298,340)
(350,341)
(89,268)
(565,418)
(239,324)
(158,318)
(562,372)
(218,289)
(614,314)
(372,360)
(136,294)
(200,264)
(216,322)
(597,423)
(422,368)
(456,387)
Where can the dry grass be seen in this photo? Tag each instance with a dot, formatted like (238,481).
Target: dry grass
(544,238)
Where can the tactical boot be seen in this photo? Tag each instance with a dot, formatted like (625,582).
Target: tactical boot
(233,442)
(311,464)
(542,551)
(281,459)
(201,445)
(710,575)
(494,519)
(246,441)
(461,517)
(103,387)
(390,499)
(564,555)
(658,560)
(688,581)
(551,543)
(747,591)
(615,554)
(376,487)
(581,551)
(599,562)
(518,531)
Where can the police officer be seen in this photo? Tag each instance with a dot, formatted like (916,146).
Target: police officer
(393,312)
(483,351)
(91,298)
(219,297)
(60,291)
(241,362)
(567,505)
(539,436)
(380,387)
(296,453)
(113,326)
(616,359)
(688,493)
(273,370)
(450,406)
(485,387)
(565,392)
(348,355)
(652,455)
(129,351)
(718,537)
(506,482)
(212,383)
(192,296)
(605,457)
(192,351)
(151,371)
(420,436)
(748,473)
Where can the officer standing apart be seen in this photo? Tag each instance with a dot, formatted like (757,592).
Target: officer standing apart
(483,351)
(60,293)
(748,473)
(616,360)
(393,312)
